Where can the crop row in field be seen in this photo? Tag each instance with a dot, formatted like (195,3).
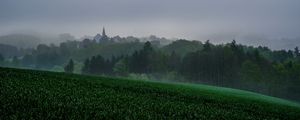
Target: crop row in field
(48,95)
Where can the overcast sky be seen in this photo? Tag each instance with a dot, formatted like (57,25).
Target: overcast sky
(190,19)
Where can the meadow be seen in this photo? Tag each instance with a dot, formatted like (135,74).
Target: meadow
(31,94)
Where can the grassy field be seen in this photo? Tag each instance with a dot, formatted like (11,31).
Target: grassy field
(32,94)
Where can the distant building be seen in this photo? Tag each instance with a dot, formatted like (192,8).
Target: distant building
(116,39)
(102,38)
(97,37)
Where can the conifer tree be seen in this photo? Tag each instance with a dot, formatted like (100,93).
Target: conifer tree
(69,68)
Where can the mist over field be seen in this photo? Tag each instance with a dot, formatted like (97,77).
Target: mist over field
(150,59)
(274,23)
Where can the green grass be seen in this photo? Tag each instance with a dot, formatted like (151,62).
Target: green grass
(28,94)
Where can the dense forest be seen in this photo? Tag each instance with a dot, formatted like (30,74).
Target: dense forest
(259,69)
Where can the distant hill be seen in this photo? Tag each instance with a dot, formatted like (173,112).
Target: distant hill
(183,47)
(20,40)
(28,94)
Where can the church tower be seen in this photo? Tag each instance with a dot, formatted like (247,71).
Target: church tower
(103,32)
(104,38)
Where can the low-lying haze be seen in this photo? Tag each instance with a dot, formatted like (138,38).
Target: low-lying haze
(274,23)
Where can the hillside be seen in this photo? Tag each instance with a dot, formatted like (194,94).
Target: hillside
(20,40)
(182,47)
(48,95)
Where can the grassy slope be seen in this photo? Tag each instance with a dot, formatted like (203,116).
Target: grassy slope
(49,95)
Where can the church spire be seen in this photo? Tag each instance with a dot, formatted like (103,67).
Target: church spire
(103,32)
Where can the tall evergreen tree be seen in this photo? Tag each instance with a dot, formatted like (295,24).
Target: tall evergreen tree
(147,47)
(296,52)
(69,68)
(207,46)
(86,66)
(174,61)
(1,58)
(146,57)
(121,67)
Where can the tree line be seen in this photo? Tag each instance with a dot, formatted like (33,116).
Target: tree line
(259,69)
(230,65)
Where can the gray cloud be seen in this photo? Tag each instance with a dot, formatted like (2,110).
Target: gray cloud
(191,19)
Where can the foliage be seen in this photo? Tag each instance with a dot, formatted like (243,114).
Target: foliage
(182,47)
(1,58)
(259,69)
(121,67)
(69,68)
(229,65)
